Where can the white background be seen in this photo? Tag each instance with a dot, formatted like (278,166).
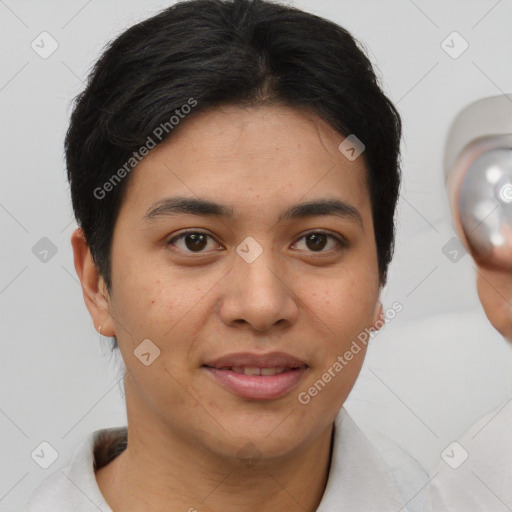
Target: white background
(429,374)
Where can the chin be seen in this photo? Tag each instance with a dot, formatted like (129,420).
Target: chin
(270,441)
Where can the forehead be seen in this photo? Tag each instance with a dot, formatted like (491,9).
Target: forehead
(261,156)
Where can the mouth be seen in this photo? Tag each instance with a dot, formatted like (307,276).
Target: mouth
(257,377)
(255,370)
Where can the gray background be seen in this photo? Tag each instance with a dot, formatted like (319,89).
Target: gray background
(429,374)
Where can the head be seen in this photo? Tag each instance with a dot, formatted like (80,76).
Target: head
(223,207)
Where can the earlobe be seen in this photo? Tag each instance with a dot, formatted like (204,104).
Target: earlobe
(95,294)
(378,318)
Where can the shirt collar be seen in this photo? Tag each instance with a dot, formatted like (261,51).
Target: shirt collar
(358,478)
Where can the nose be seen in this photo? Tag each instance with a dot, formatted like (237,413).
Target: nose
(259,295)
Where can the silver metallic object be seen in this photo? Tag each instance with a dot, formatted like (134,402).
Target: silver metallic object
(478,171)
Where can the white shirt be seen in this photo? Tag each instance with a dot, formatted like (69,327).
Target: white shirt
(358,481)
(476,471)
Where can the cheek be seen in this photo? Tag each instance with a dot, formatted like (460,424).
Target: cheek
(144,293)
(169,310)
(344,317)
(345,304)
(142,306)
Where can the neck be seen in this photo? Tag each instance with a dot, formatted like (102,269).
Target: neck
(164,471)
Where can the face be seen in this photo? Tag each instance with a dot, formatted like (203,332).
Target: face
(253,283)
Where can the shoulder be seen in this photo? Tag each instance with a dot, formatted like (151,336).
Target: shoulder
(356,462)
(50,495)
(475,471)
(74,487)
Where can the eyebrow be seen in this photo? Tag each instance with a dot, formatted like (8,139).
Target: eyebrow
(181,205)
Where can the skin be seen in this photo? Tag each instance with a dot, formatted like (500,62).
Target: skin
(494,286)
(184,429)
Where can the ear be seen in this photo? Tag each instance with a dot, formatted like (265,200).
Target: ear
(96,297)
(378,317)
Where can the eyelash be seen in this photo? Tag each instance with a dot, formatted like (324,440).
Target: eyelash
(342,243)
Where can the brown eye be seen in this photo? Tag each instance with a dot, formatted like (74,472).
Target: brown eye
(191,241)
(317,241)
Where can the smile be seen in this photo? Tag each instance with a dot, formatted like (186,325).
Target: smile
(257,377)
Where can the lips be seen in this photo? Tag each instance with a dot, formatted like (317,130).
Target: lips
(249,360)
(254,370)
(254,376)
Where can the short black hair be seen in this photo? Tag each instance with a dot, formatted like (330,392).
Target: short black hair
(201,54)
